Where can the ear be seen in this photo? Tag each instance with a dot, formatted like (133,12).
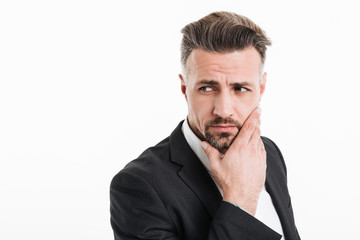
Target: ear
(262,85)
(183,86)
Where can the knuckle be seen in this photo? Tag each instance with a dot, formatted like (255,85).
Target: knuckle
(241,144)
(213,166)
(247,127)
(253,147)
(251,125)
(208,150)
(256,116)
(257,130)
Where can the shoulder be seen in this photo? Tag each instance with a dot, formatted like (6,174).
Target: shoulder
(151,157)
(273,153)
(151,166)
(136,193)
(158,158)
(269,144)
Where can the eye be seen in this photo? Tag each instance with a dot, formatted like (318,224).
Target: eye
(206,89)
(241,89)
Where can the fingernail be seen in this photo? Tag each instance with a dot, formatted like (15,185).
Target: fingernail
(204,145)
(258,110)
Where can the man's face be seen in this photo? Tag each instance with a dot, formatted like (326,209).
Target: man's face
(221,90)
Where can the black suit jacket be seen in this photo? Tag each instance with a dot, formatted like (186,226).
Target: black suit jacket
(166,193)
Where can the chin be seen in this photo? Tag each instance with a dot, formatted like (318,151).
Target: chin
(220,144)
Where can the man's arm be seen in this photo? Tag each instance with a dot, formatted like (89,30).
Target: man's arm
(137,212)
(241,172)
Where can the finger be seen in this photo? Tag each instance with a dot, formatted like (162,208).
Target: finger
(211,152)
(261,144)
(255,137)
(249,126)
(262,147)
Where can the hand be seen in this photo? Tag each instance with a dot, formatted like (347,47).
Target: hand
(241,171)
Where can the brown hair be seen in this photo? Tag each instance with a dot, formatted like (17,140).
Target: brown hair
(223,32)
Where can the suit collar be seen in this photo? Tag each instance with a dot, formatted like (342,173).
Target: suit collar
(195,144)
(193,172)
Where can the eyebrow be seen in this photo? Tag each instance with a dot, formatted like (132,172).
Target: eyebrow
(215,83)
(208,82)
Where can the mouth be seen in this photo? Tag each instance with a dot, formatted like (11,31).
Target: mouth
(224,128)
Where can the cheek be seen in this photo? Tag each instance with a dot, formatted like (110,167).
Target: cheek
(245,106)
(200,110)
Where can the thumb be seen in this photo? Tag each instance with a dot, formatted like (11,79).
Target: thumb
(211,152)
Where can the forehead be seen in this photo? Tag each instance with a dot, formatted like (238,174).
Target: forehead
(245,62)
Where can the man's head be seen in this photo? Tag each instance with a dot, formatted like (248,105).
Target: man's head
(222,56)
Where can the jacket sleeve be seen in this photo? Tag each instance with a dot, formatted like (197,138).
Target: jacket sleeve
(230,222)
(137,212)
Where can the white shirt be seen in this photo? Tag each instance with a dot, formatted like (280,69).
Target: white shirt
(265,211)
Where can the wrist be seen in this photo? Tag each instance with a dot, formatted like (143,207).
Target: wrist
(246,203)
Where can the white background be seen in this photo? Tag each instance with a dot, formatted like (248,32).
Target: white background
(86,86)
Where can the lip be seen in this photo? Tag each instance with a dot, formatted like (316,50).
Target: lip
(223,128)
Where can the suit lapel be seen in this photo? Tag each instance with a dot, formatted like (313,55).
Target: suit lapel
(193,173)
(196,177)
(277,189)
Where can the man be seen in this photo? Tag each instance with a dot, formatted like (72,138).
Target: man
(214,177)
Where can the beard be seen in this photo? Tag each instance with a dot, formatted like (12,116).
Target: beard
(220,140)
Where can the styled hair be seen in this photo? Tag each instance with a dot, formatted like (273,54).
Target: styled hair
(222,32)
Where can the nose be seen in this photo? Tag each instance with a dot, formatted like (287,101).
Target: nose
(223,105)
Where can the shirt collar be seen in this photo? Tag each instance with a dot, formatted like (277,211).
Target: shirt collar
(195,144)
